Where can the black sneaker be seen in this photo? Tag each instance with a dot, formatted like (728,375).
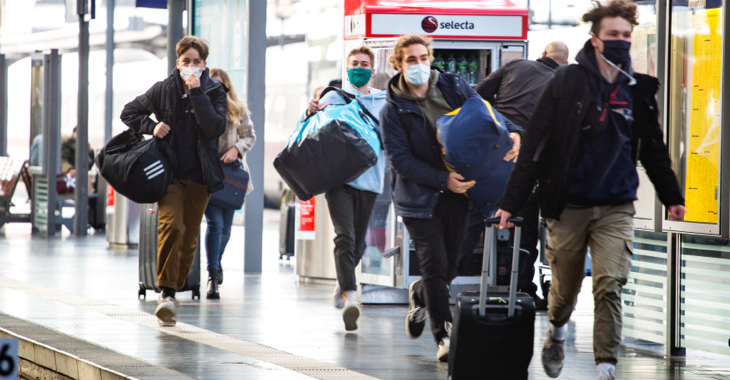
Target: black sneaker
(416,318)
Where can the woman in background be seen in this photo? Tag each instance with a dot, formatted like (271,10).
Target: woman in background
(238,139)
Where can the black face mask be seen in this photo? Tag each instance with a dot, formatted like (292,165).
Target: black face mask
(616,51)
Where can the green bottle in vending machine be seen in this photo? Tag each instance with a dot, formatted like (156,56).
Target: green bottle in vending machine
(473,70)
(439,62)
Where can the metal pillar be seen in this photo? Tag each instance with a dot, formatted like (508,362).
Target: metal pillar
(51,133)
(255,97)
(81,192)
(109,109)
(3,106)
(673,345)
(175,31)
(190,4)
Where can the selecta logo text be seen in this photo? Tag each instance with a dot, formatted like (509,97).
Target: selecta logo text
(430,24)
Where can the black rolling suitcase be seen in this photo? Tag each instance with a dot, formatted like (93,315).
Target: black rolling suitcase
(149,221)
(493,331)
(286,230)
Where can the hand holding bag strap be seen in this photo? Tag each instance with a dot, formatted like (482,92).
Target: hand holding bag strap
(347,97)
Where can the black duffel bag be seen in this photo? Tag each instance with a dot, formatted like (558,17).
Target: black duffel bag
(234,192)
(139,169)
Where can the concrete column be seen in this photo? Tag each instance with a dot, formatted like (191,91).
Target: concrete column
(175,30)
(256,92)
(81,192)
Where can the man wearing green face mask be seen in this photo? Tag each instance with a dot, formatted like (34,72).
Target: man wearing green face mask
(351,205)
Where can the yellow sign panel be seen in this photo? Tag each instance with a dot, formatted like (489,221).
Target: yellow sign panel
(701,190)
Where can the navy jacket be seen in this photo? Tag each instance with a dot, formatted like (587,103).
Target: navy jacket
(420,175)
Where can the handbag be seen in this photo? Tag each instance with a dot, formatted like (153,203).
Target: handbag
(235,186)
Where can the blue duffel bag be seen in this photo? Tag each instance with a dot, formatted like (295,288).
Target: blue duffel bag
(474,141)
(333,147)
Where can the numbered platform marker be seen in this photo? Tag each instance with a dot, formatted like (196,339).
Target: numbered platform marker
(9,362)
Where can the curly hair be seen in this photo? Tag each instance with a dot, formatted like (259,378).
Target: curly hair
(615,8)
(396,58)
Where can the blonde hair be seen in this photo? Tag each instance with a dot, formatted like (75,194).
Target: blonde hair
(396,59)
(236,107)
(362,50)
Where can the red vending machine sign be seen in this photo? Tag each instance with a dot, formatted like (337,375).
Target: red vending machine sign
(306,219)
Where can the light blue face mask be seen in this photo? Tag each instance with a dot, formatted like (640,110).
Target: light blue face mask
(418,75)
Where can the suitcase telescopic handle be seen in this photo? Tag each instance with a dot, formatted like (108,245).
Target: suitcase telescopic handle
(489,263)
(496,220)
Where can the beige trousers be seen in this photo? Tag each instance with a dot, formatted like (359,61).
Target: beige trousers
(608,231)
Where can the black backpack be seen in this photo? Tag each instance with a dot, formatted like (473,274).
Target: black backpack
(139,169)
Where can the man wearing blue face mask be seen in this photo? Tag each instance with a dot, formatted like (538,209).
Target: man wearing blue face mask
(425,194)
(592,123)
(351,205)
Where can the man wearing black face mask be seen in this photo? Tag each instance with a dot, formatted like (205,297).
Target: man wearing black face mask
(592,123)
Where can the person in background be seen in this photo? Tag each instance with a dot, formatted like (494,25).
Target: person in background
(428,197)
(68,155)
(233,145)
(586,167)
(351,205)
(513,90)
(196,106)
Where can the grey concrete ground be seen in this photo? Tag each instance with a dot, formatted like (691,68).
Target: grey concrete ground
(265,326)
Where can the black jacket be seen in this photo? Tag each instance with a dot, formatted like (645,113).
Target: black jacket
(210,104)
(414,153)
(548,150)
(514,88)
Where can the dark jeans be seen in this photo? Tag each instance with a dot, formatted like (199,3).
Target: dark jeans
(350,211)
(217,235)
(528,241)
(438,243)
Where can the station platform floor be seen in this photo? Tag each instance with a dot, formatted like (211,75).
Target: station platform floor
(265,326)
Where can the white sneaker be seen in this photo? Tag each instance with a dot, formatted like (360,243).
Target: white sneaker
(166,311)
(605,371)
(553,353)
(443,352)
(339,299)
(350,315)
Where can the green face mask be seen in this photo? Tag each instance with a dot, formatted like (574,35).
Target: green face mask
(358,76)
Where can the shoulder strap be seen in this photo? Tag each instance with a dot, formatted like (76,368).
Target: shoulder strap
(342,93)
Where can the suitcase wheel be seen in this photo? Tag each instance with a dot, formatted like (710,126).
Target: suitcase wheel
(142,293)
(196,292)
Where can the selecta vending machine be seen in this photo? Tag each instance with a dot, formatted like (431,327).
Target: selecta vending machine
(470,39)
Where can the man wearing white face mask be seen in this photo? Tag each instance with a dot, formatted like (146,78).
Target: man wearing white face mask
(190,108)
(430,200)
(592,123)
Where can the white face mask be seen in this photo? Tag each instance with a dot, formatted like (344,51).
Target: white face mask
(186,71)
(418,75)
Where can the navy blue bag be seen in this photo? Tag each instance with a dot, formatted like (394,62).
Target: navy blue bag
(474,140)
(234,190)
